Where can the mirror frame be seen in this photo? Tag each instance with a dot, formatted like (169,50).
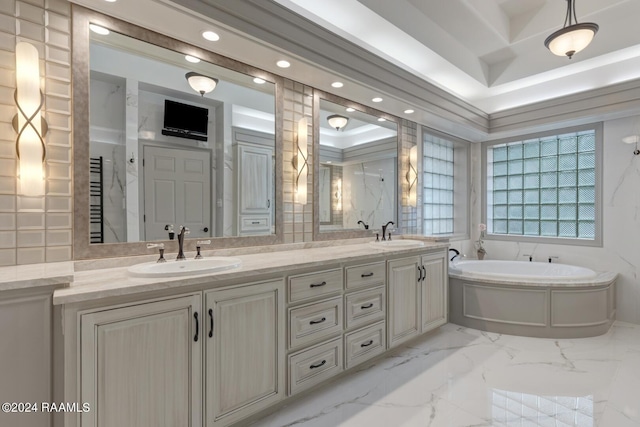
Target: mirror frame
(81,17)
(349,234)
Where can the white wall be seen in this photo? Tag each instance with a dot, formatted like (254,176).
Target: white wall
(621,222)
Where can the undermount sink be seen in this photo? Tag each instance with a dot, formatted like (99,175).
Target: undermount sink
(398,244)
(186,267)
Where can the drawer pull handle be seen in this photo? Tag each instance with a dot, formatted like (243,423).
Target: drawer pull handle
(211,319)
(315,322)
(367,274)
(255,222)
(317,285)
(364,307)
(317,365)
(195,316)
(366,344)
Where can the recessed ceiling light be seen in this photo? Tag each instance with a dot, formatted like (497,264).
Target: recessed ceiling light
(110,1)
(328,162)
(351,110)
(192,59)
(382,119)
(408,111)
(283,64)
(98,29)
(337,84)
(258,80)
(377,99)
(211,36)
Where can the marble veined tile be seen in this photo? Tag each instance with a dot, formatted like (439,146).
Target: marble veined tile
(464,377)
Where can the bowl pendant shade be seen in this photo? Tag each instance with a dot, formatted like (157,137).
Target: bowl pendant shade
(337,122)
(201,84)
(571,40)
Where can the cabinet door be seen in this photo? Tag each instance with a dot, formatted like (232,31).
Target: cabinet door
(254,179)
(244,351)
(434,286)
(142,365)
(403,308)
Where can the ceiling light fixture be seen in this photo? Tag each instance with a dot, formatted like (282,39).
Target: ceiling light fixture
(283,64)
(377,99)
(201,84)
(259,81)
(211,36)
(192,59)
(382,119)
(350,110)
(573,37)
(337,121)
(408,111)
(337,84)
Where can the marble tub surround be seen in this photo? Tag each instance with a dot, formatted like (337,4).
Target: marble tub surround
(115,281)
(35,275)
(463,377)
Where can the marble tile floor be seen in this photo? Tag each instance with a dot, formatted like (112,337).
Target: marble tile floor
(463,377)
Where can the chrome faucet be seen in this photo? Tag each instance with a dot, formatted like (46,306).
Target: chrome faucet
(183,231)
(384,229)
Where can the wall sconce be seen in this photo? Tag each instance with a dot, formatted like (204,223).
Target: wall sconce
(28,123)
(412,175)
(300,165)
(201,84)
(338,122)
(338,195)
(632,139)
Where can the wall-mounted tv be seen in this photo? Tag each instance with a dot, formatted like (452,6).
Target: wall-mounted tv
(185,121)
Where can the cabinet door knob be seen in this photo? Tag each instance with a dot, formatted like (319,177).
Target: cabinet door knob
(315,322)
(195,316)
(317,365)
(206,229)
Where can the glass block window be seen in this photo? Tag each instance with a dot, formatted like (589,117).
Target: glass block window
(543,187)
(438,186)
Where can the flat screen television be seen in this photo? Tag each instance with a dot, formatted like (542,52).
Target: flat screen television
(185,121)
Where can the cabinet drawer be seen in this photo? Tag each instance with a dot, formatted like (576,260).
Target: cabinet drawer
(311,285)
(314,321)
(312,366)
(254,223)
(364,344)
(365,306)
(364,275)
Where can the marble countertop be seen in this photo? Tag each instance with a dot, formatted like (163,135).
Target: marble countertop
(115,281)
(35,275)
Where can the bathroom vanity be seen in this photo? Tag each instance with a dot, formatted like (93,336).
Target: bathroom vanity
(216,349)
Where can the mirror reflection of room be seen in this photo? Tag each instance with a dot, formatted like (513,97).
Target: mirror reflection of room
(176,141)
(358,169)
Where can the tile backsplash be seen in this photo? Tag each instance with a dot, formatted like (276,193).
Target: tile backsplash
(34,230)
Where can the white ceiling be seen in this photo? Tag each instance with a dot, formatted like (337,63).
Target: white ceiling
(490,53)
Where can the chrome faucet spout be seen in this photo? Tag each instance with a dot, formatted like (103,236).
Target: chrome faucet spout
(183,231)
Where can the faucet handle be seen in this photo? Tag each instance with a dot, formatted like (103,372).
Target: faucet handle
(528,255)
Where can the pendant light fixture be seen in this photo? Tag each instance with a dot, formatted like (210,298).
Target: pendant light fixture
(201,84)
(573,37)
(337,121)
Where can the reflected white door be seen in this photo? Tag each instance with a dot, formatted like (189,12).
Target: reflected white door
(177,190)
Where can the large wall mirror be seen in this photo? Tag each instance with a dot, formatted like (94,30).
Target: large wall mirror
(174,135)
(357,186)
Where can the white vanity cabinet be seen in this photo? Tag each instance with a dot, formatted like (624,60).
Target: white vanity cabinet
(244,351)
(142,364)
(417,296)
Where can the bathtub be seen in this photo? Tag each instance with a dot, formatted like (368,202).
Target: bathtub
(546,300)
